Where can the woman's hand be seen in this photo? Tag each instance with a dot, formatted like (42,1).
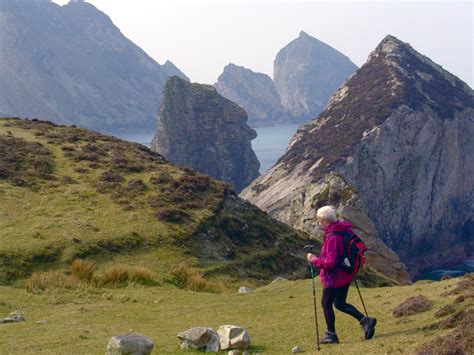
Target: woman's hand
(311,257)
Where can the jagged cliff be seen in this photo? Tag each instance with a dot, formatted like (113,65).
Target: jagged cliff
(255,93)
(397,137)
(72,65)
(202,130)
(306,74)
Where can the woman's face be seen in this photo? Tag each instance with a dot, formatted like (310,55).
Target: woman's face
(322,223)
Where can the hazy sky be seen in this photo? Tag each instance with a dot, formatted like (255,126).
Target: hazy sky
(201,37)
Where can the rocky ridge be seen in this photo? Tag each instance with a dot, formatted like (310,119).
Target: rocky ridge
(71,64)
(200,129)
(399,150)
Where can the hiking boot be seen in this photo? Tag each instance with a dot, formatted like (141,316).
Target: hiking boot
(329,338)
(368,324)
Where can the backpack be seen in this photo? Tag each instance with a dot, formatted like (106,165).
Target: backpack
(353,256)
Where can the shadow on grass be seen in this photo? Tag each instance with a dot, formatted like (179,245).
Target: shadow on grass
(411,331)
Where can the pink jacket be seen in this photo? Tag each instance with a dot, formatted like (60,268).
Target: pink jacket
(333,247)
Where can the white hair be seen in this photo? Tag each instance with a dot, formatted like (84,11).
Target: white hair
(327,213)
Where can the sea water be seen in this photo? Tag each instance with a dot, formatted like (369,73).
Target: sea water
(269,145)
(453,271)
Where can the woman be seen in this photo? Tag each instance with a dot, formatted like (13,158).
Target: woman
(335,281)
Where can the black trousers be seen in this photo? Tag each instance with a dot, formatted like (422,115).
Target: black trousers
(337,296)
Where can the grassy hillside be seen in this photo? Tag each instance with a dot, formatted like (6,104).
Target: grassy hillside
(70,193)
(99,236)
(277,316)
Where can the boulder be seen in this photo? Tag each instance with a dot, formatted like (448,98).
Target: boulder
(13,319)
(244,289)
(233,337)
(296,350)
(130,344)
(199,338)
(279,279)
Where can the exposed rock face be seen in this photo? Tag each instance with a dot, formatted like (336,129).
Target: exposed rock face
(200,129)
(72,65)
(394,156)
(306,74)
(255,93)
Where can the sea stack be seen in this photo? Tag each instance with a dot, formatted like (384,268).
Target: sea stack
(393,151)
(255,93)
(306,73)
(202,130)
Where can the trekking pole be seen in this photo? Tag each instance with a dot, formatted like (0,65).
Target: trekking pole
(309,249)
(360,295)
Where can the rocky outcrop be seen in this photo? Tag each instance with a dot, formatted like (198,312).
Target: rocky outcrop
(393,156)
(306,74)
(200,129)
(71,64)
(255,93)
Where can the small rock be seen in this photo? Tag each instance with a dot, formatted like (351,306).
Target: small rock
(296,349)
(13,319)
(233,337)
(279,279)
(234,352)
(199,338)
(244,289)
(42,322)
(245,353)
(130,344)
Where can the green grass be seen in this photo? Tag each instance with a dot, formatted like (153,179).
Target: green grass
(118,203)
(278,317)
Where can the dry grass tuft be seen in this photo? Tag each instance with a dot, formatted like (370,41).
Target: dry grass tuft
(412,305)
(83,269)
(189,278)
(41,281)
(119,276)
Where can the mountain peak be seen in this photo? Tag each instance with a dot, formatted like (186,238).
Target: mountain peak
(391,46)
(395,75)
(306,73)
(303,34)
